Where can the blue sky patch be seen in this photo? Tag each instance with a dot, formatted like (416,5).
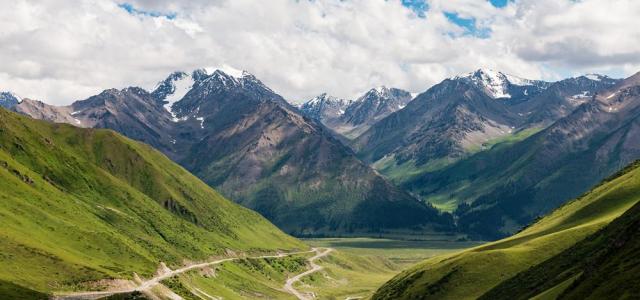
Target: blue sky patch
(419,7)
(139,12)
(499,3)
(469,25)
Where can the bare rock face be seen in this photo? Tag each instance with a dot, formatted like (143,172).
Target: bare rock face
(40,110)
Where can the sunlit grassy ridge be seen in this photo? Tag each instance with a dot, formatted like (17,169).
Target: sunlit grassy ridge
(78,205)
(605,265)
(471,273)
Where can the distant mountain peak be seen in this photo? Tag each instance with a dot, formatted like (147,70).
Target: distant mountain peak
(228,70)
(224,78)
(596,77)
(380,91)
(9,99)
(179,83)
(599,77)
(498,84)
(325,98)
(324,106)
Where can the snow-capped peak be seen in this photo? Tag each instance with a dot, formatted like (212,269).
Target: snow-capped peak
(9,99)
(315,100)
(324,98)
(595,77)
(377,92)
(381,89)
(11,94)
(246,74)
(224,77)
(227,69)
(494,82)
(324,106)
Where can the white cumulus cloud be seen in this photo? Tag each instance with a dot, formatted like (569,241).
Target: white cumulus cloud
(60,51)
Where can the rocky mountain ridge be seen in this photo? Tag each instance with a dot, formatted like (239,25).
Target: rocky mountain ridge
(239,136)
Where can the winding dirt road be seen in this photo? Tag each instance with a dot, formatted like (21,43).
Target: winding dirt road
(314,268)
(148,284)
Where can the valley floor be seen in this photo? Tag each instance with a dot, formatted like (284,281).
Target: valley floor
(336,268)
(359,266)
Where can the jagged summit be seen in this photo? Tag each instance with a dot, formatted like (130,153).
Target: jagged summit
(179,83)
(9,99)
(324,107)
(596,77)
(498,84)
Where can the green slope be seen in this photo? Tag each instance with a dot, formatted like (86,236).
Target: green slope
(471,273)
(605,265)
(79,205)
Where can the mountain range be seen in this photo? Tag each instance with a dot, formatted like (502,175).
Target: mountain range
(495,150)
(465,113)
(511,184)
(242,138)
(483,155)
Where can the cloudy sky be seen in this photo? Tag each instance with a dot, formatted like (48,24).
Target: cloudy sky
(59,51)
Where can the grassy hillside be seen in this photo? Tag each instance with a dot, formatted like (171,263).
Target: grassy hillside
(81,205)
(243,279)
(471,273)
(605,265)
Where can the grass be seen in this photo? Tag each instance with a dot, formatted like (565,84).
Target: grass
(506,139)
(80,205)
(244,279)
(603,265)
(399,173)
(360,265)
(400,252)
(357,268)
(348,275)
(470,273)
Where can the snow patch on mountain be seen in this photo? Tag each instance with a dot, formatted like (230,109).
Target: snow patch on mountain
(180,87)
(584,94)
(594,77)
